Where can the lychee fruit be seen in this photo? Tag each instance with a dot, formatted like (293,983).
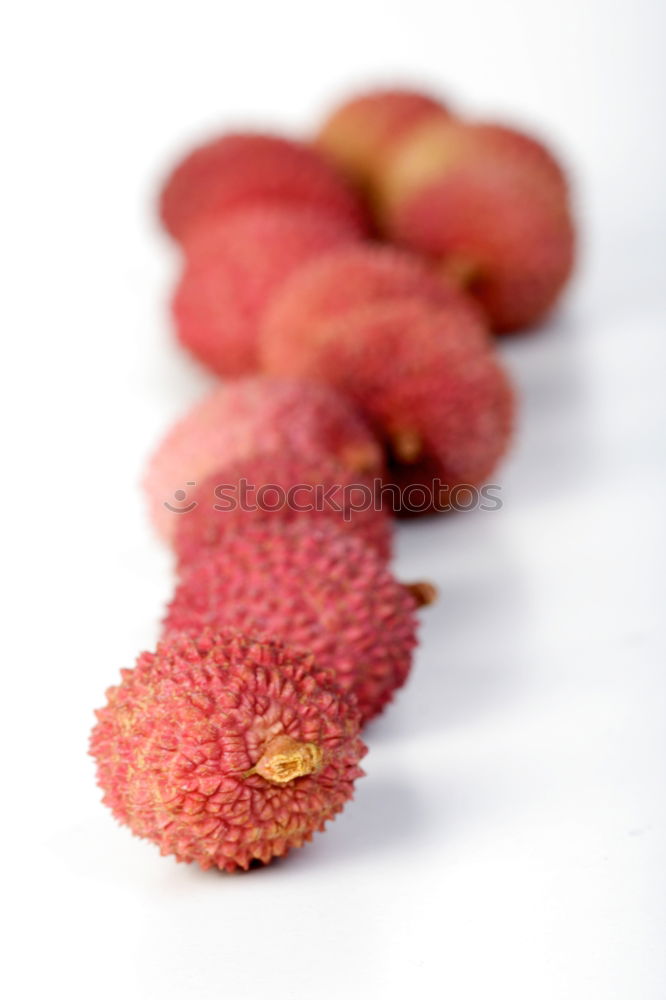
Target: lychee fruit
(489,206)
(427,381)
(225,750)
(238,169)
(360,133)
(247,417)
(277,489)
(232,270)
(349,278)
(316,587)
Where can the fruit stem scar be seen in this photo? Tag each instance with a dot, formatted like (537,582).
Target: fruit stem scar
(361,458)
(424,593)
(406,445)
(462,269)
(284,759)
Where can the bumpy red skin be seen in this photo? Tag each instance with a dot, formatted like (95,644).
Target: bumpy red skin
(249,417)
(234,268)
(417,370)
(315,586)
(359,134)
(503,208)
(179,734)
(349,278)
(238,169)
(213,520)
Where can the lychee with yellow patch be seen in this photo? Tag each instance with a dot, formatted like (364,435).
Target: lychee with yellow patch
(225,750)
(361,132)
(489,207)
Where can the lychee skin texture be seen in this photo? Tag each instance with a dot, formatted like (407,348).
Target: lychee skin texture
(360,133)
(348,278)
(224,750)
(428,383)
(252,416)
(316,587)
(234,268)
(490,207)
(238,169)
(279,489)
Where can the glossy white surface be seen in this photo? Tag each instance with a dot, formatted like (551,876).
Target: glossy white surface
(508,840)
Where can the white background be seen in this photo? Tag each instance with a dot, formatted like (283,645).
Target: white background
(508,840)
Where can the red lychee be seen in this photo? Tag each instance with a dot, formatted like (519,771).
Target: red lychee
(359,134)
(234,268)
(427,381)
(238,169)
(224,750)
(349,278)
(251,416)
(316,587)
(489,206)
(277,489)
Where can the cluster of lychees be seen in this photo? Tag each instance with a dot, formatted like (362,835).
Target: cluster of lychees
(348,288)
